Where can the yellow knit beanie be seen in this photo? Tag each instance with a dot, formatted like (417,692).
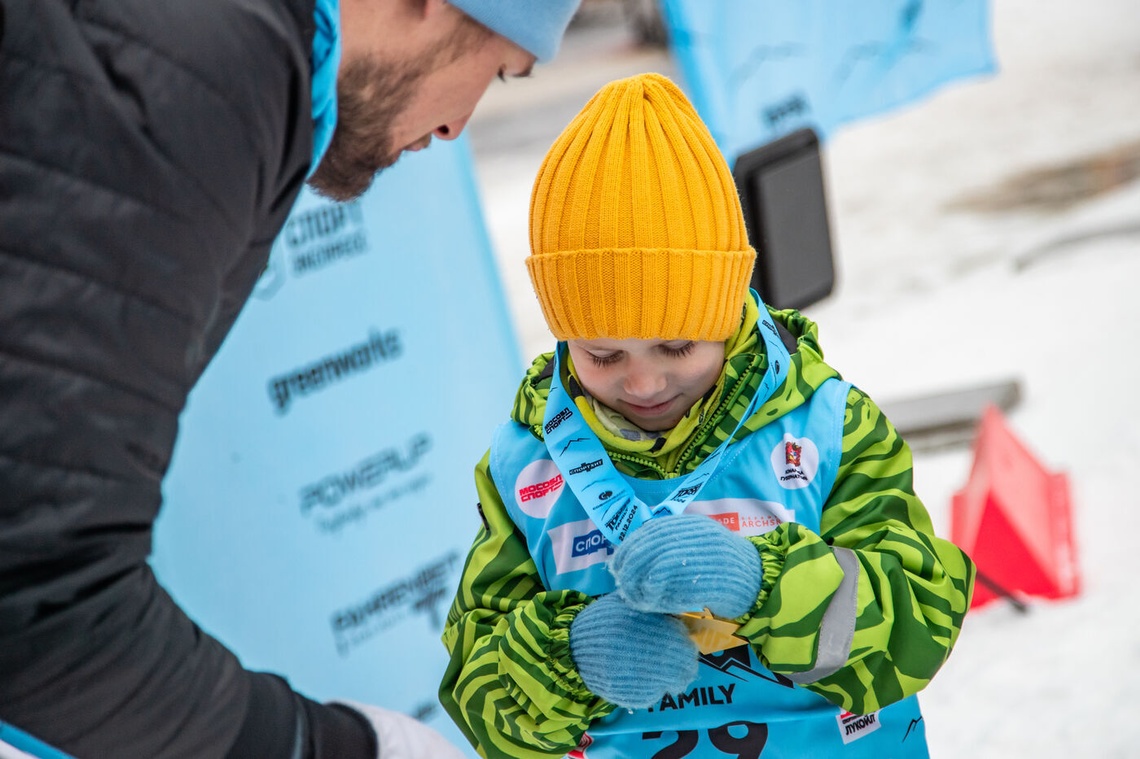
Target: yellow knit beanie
(635,224)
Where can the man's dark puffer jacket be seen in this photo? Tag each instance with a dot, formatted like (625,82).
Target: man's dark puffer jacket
(150,151)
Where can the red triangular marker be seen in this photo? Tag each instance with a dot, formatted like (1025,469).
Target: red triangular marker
(1014,519)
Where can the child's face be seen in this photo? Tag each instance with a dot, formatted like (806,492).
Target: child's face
(652,383)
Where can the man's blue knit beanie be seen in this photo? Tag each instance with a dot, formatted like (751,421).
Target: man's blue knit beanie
(536,26)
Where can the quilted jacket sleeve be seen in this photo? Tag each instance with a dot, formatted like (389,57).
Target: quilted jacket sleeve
(509,642)
(866,612)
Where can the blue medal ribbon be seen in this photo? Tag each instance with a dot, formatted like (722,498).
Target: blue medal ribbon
(586,466)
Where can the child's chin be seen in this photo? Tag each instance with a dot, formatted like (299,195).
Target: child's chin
(656,424)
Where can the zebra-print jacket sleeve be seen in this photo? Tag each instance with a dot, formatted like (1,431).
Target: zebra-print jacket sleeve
(866,612)
(511,685)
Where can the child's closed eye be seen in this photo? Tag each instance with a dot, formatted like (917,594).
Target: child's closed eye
(676,351)
(606,360)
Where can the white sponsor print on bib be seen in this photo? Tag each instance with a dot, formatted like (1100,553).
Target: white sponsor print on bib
(537,488)
(748,516)
(795,460)
(854,726)
(578,545)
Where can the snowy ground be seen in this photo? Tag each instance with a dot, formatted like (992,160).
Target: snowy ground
(991,231)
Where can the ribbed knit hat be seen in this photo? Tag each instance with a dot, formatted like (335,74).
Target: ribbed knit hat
(536,26)
(635,224)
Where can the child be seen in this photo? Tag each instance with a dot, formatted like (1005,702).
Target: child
(687,450)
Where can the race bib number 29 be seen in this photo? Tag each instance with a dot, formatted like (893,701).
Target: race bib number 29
(742,740)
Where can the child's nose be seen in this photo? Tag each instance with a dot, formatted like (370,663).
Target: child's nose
(644,383)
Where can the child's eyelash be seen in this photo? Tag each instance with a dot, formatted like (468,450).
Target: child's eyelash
(684,350)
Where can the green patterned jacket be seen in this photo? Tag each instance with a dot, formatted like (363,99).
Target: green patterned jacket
(511,685)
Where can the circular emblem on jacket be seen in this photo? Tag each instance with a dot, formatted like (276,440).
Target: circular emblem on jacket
(537,488)
(795,460)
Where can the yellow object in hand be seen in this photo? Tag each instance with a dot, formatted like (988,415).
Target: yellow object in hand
(711,634)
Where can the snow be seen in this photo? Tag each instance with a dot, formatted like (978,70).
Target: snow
(952,272)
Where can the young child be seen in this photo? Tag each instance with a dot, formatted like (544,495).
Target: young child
(684,453)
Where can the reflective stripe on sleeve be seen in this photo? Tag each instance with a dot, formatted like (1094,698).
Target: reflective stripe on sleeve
(838,627)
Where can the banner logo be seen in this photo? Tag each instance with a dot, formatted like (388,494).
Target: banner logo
(793,109)
(312,240)
(341,498)
(425,591)
(380,348)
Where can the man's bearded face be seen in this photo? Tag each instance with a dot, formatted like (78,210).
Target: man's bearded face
(372,96)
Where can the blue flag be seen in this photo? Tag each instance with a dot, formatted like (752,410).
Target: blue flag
(759,69)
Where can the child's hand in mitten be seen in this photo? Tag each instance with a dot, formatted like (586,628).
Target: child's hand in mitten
(687,562)
(628,657)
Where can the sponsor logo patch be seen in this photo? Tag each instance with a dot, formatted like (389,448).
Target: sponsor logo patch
(578,545)
(744,515)
(537,488)
(795,460)
(855,726)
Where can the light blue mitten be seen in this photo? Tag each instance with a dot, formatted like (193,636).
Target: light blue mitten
(631,658)
(687,562)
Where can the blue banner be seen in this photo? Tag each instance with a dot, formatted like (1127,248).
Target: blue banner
(321,501)
(759,69)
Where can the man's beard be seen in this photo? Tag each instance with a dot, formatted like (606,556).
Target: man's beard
(370,96)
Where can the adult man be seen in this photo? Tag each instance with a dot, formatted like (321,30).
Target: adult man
(150,151)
